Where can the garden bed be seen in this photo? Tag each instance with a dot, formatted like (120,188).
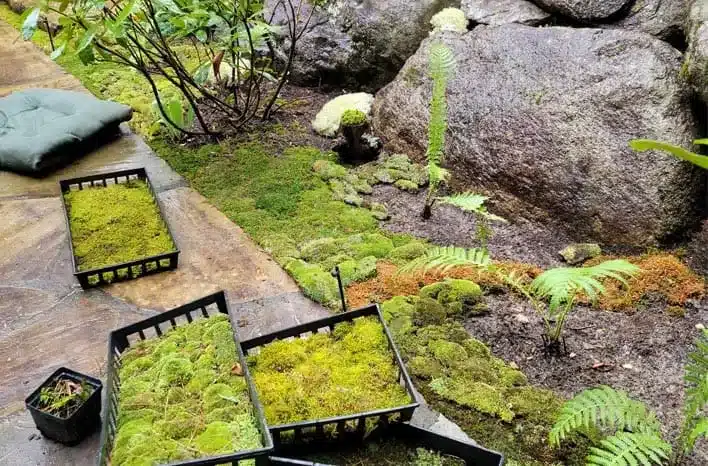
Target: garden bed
(117,229)
(179,391)
(332,379)
(401,444)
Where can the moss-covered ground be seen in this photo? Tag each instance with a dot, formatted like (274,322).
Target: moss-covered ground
(116,224)
(347,371)
(181,398)
(309,214)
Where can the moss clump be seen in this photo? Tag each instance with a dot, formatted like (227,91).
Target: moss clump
(406,185)
(372,244)
(384,452)
(185,403)
(116,224)
(347,371)
(458,296)
(356,271)
(408,252)
(327,170)
(317,283)
(353,117)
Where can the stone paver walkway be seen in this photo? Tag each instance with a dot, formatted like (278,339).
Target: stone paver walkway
(48,321)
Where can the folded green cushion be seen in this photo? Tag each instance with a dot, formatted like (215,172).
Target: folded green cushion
(44,128)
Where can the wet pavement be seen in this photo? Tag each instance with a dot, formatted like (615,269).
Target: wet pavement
(48,321)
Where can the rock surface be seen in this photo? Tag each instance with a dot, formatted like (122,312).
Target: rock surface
(664,19)
(548,136)
(696,59)
(584,10)
(496,12)
(360,42)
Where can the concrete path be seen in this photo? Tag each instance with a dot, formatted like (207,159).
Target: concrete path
(48,321)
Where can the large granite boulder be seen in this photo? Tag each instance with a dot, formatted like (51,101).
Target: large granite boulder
(496,12)
(664,19)
(585,10)
(360,43)
(540,118)
(695,68)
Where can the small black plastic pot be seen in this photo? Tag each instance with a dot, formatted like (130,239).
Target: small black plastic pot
(73,429)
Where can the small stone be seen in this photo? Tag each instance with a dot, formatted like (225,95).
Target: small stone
(513,365)
(700,326)
(572,355)
(524,319)
(33,437)
(580,252)
(627,366)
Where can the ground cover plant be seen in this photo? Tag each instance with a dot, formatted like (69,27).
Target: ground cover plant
(269,188)
(625,431)
(350,370)
(116,224)
(63,397)
(385,452)
(183,396)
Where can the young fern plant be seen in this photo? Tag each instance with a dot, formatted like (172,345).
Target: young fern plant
(642,145)
(552,294)
(624,431)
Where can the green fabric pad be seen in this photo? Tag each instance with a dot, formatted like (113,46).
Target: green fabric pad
(44,128)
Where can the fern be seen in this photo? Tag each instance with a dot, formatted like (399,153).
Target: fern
(447,257)
(602,408)
(561,285)
(629,449)
(641,145)
(696,377)
(470,202)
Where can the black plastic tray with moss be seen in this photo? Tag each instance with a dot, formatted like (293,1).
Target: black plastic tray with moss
(179,392)
(400,444)
(67,406)
(332,380)
(117,229)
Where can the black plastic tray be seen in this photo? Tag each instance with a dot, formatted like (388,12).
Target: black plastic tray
(126,270)
(472,455)
(313,431)
(81,423)
(121,339)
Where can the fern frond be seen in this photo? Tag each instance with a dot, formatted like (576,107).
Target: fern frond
(447,257)
(604,408)
(641,145)
(470,202)
(629,449)
(436,174)
(562,284)
(441,63)
(696,378)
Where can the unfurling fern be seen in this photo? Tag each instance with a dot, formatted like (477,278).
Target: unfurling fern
(629,449)
(447,257)
(603,408)
(696,377)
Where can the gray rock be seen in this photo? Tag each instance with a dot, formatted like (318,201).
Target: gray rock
(695,67)
(664,19)
(548,136)
(584,10)
(496,12)
(359,42)
(580,252)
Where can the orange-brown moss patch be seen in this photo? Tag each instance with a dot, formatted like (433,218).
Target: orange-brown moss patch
(387,284)
(661,274)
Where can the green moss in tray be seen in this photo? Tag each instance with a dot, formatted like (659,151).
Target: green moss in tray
(116,224)
(181,397)
(347,371)
(386,453)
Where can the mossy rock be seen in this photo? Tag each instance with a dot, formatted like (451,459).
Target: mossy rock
(580,252)
(477,395)
(399,306)
(319,250)
(343,191)
(357,270)
(408,252)
(316,283)
(407,185)
(369,244)
(448,353)
(425,367)
(384,176)
(360,185)
(398,162)
(429,312)
(330,262)
(353,117)
(327,170)
(458,296)
(379,211)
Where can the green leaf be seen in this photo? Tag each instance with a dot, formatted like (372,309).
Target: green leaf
(447,257)
(29,23)
(630,449)
(63,5)
(57,52)
(641,145)
(86,56)
(470,202)
(86,39)
(201,74)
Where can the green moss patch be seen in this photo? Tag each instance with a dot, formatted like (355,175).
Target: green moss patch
(385,452)
(180,397)
(347,371)
(116,224)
